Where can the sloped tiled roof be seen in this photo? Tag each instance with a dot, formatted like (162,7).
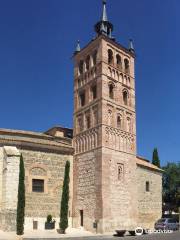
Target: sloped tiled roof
(145,163)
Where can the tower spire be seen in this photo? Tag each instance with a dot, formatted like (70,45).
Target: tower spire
(104,14)
(131,47)
(104,26)
(78,48)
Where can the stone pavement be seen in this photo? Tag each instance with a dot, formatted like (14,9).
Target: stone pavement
(82,235)
(171,236)
(7,236)
(46,234)
(52,234)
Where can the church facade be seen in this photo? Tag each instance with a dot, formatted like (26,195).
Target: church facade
(110,188)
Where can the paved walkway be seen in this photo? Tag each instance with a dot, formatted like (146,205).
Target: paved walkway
(165,236)
(52,234)
(46,234)
(77,234)
(7,236)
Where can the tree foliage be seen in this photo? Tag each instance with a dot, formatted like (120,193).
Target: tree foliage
(155,158)
(21,200)
(65,199)
(171,186)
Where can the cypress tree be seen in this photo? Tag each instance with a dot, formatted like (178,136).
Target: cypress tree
(21,200)
(65,199)
(155,158)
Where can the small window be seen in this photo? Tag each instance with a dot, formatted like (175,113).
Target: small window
(120,171)
(118,61)
(147,187)
(119,122)
(94,92)
(126,65)
(81,67)
(82,99)
(125,97)
(88,122)
(110,56)
(37,185)
(87,63)
(111,91)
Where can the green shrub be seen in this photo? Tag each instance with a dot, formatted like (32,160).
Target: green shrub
(49,218)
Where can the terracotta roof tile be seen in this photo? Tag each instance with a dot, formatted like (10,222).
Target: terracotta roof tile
(145,163)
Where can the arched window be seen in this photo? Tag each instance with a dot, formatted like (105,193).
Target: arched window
(119,121)
(82,98)
(94,92)
(87,63)
(121,77)
(125,97)
(94,57)
(118,61)
(126,65)
(81,67)
(128,124)
(120,171)
(88,121)
(109,117)
(111,91)
(110,56)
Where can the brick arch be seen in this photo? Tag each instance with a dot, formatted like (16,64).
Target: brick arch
(43,177)
(41,166)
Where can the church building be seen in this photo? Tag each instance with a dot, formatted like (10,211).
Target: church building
(110,186)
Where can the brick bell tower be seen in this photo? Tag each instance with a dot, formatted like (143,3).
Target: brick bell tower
(104,188)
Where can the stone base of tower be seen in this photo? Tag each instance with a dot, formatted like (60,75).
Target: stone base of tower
(105,193)
(8,220)
(87,198)
(119,190)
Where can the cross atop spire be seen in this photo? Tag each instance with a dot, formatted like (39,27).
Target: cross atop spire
(104,26)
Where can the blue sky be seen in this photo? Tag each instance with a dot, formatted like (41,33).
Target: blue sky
(37,39)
